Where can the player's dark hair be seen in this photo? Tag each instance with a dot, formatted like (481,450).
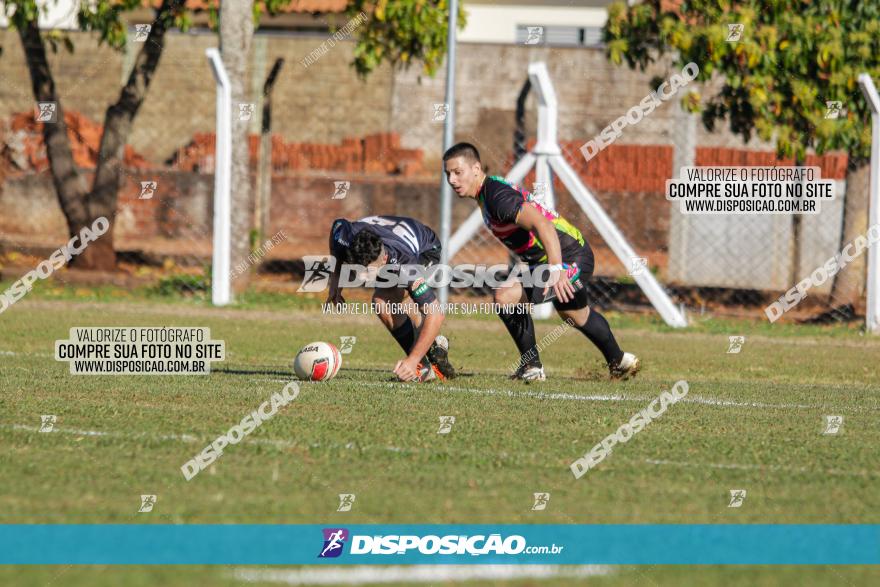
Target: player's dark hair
(365,248)
(466,150)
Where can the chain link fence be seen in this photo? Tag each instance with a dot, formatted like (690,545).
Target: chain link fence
(709,264)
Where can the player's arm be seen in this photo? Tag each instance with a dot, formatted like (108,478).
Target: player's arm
(334,294)
(531,219)
(431,322)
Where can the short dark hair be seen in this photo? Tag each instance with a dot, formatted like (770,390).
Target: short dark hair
(365,248)
(466,150)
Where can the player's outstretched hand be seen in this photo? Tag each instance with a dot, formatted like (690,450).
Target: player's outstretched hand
(561,286)
(407,369)
(334,298)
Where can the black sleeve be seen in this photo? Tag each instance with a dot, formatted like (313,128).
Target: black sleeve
(420,292)
(337,249)
(503,203)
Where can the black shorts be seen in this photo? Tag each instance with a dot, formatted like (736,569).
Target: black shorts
(585,262)
(431,256)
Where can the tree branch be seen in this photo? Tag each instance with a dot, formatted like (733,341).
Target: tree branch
(70,186)
(119,116)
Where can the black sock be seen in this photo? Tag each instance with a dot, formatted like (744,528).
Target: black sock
(521,327)
(405,335)
(597,330)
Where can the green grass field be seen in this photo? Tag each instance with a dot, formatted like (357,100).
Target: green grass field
(751,421)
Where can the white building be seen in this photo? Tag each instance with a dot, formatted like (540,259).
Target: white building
(56,14)
(562,22)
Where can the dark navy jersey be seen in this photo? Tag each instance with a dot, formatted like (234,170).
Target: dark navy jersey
(405,239)
(407,242)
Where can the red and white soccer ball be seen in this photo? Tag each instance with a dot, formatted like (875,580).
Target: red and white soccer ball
(317,361)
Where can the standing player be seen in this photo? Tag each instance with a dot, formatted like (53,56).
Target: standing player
(375,241)
(538,236)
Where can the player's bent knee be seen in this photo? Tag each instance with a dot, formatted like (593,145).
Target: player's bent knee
(508,295)
(577,317)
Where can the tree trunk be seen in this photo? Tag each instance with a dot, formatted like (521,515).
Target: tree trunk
(849,284)
(79,206)
(70,186)
(118,121)
(236,33)
(795,273)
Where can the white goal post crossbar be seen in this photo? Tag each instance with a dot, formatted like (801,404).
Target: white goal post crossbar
(547,151)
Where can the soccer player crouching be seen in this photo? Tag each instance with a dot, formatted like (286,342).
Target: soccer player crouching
(538,236)
(377,241)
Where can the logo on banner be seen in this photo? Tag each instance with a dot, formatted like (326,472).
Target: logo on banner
(334,540)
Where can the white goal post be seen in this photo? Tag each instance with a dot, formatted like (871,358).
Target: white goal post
(547,155)
(872,311)
(220,277)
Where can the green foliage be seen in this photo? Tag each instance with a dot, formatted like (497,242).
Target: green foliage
(23,12)
(254,240)
(401,32)
(106,18)
(183,283)
(793,57)
(398,31)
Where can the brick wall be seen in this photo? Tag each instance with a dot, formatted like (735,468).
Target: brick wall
(376,153)
(87,79)
(628,180)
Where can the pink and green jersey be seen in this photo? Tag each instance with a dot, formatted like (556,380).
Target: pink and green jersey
(501,203)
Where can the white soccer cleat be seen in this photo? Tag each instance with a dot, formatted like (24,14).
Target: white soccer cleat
(529,373)
(438,354)
(628,366)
